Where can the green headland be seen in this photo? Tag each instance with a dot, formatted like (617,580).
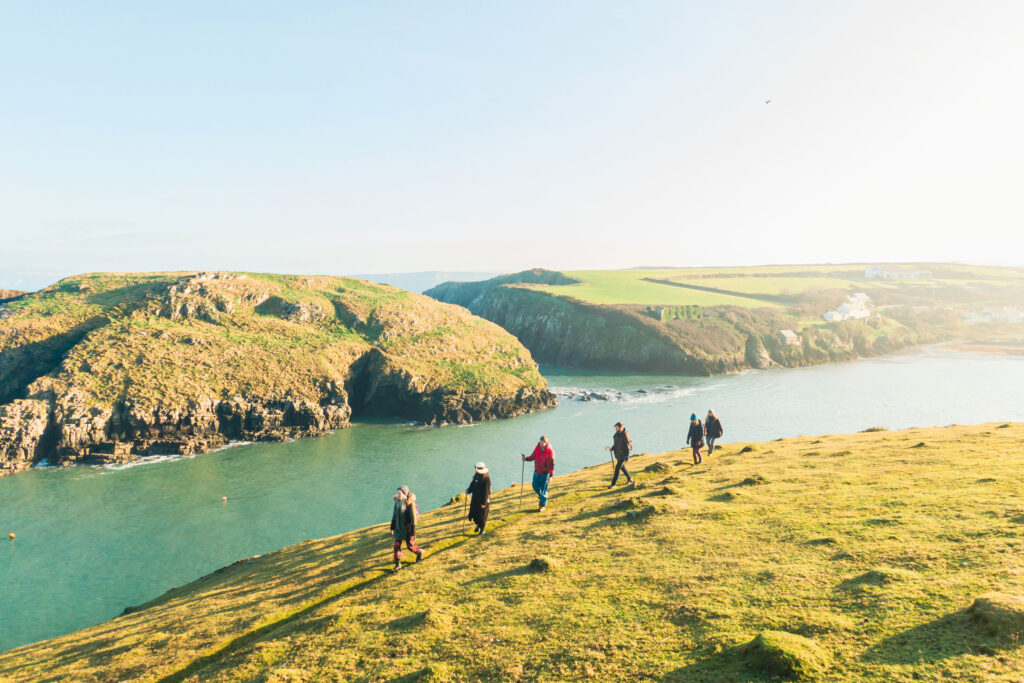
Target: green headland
(878,556)
(109,366)
(712,320)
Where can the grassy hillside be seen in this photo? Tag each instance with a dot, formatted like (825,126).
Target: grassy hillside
(711,320)
(880,556)
(117,365)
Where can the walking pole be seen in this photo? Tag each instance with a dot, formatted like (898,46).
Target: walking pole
(522,482)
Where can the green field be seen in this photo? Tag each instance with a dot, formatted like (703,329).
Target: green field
(880,556)
(630,287)
(753,287)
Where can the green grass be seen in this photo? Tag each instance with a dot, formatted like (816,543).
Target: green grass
(631,287)
(853,557)
(777,286)
(242,336)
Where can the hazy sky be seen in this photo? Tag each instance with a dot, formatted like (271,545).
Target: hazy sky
(353,137)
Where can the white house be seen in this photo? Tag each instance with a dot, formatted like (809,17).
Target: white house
(856,306)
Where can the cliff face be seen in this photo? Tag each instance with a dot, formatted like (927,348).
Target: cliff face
(111,367)
(563,331)
(574,334)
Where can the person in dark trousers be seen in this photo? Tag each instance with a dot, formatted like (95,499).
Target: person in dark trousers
(712,430)
(403,525)
(480,503)
(621,446)
(543,458)
(695,438)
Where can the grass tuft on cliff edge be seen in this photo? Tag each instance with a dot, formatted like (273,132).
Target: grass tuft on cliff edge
(884,564)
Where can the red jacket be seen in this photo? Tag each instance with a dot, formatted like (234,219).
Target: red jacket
(543,460)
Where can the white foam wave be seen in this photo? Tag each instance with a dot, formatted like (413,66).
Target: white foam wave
(643,395)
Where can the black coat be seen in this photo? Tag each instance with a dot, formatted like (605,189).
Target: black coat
(621,444)
(695,438)
(479,505)
(713,428)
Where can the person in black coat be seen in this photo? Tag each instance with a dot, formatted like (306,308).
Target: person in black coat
(480,503)
(712,430)
(695,438)
(621,446)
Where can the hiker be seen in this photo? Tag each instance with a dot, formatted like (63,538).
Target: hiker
(621,446)
(712,430)
(403,525)
(695,438)
(543,458)
(480,489)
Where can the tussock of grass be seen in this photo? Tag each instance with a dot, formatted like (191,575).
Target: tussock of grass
(873,429)
(668,597)
(786,655)
(878,578)
(747,449)
(826,540)
(753,480)
(543,564)
(999,615)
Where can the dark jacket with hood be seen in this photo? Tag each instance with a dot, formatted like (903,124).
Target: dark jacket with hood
(695,438)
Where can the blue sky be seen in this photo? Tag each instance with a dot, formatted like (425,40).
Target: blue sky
(362,137)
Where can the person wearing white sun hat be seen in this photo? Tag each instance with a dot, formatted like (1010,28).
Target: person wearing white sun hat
(480,503)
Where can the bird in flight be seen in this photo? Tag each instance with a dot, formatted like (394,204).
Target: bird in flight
(767,101)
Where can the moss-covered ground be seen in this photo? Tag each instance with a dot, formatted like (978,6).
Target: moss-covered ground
(881,556)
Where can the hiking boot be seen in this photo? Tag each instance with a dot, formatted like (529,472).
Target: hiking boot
(611,486)
(398,565)
(542,508)
(419,554)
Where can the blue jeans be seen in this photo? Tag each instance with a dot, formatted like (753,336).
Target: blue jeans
(540,485)
(711,444)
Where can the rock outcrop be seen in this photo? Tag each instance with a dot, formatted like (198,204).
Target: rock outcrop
(108,368)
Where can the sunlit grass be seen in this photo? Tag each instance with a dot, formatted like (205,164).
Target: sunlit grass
(856,557)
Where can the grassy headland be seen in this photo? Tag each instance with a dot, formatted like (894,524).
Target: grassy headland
(879,556)
(711,320)
(111,366)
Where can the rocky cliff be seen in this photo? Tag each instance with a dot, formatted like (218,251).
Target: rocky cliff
(112,367)
(565,331)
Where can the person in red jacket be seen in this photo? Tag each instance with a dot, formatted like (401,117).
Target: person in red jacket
(543,459)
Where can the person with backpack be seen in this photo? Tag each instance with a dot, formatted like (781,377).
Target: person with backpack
(543,458)
(712,430)
(403,525)
(480,490)
(621,446)
(695,438)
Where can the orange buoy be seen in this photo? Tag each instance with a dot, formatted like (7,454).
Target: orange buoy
(223,499)
(11,535)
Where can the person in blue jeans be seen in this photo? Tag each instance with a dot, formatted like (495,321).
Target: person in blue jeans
(712,430)
(543,459)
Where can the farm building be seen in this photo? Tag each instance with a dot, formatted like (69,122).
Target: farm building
(789,337)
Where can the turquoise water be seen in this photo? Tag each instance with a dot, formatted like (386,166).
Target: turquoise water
(92,540)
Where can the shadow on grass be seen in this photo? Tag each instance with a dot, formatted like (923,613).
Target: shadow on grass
(724,666)
(498,576)
(949,636)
